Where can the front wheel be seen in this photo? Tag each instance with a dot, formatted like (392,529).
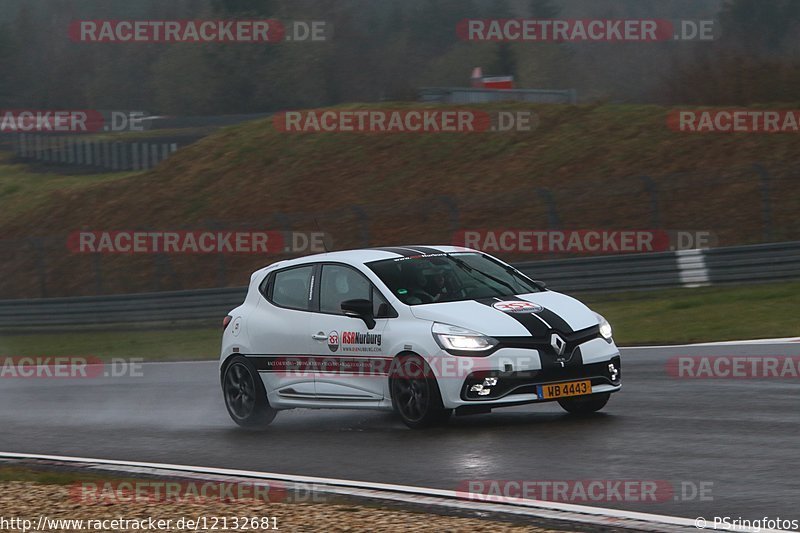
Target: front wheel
(584,405)
(415,394)
(245,396)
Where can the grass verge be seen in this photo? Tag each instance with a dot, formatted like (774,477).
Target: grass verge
(705,314)
(183,344)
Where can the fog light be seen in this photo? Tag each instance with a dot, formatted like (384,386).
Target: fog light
(484,392)
(476,388)
(613,371)
(490,382)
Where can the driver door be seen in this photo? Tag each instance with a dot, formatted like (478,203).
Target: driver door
(348,351)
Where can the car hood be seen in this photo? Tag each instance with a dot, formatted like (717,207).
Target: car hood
(512,316)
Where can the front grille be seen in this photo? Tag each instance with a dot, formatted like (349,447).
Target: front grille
(573,340)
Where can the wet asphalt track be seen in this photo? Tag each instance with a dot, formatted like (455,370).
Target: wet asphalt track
(742,435)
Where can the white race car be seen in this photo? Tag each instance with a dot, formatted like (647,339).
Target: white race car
(419,329)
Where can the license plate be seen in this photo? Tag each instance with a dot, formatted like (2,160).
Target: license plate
(562,390)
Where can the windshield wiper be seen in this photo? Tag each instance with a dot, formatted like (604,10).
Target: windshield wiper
(516,273)
(469,268)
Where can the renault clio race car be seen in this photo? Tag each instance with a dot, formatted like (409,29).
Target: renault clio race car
(422,330)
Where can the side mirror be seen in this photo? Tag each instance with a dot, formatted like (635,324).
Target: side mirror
(540,284)
(359,309)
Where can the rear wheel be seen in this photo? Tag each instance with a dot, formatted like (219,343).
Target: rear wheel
(245,396)
(584,405)
(415,394)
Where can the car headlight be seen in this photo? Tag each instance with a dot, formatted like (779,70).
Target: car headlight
(461,341)
(605,327)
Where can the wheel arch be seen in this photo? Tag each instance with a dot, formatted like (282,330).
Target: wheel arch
(223,366)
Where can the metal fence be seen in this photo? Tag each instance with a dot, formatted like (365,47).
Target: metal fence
(690,268)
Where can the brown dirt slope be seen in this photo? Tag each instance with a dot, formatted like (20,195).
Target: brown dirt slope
(382,189)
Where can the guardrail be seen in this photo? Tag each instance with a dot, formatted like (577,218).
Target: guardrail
(687,268)
(121,308)
(607,273)
(470,95)
(109,155)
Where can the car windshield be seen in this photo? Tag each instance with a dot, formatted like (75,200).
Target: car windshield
(450,277)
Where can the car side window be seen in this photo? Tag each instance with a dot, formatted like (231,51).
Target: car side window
(340,283)
(292,288)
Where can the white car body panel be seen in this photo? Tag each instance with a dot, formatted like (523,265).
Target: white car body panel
(261,329)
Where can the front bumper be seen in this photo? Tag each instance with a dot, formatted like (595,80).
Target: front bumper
(516,373)
(525,383)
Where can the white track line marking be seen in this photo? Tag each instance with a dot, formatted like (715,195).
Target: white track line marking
(785,340)
(543,509)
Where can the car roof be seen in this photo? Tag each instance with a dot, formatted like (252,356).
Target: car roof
(368,255)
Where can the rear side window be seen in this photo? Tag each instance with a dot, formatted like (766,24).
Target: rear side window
(292,288)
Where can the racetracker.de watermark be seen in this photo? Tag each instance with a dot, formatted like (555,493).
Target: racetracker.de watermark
(69,121)
(68,367)
(424,120)
(585,241)
(734,120)
(734,367)
(358,355)
(587,490)
(373,365)
(200,491)
(195,242)
(264,31)
(584,30)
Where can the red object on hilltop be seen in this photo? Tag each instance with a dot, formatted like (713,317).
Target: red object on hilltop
(495,82)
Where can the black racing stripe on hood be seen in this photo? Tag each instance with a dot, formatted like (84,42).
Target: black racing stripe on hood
(535,327)
(555,321)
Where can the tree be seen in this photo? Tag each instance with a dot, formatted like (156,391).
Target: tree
(760,27)
(6,59)
(542,9)
(240,8)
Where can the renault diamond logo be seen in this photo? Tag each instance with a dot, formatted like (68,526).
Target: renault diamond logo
(558,344)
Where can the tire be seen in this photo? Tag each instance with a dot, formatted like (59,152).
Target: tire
(244,394)
(415,394)
(584,405)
